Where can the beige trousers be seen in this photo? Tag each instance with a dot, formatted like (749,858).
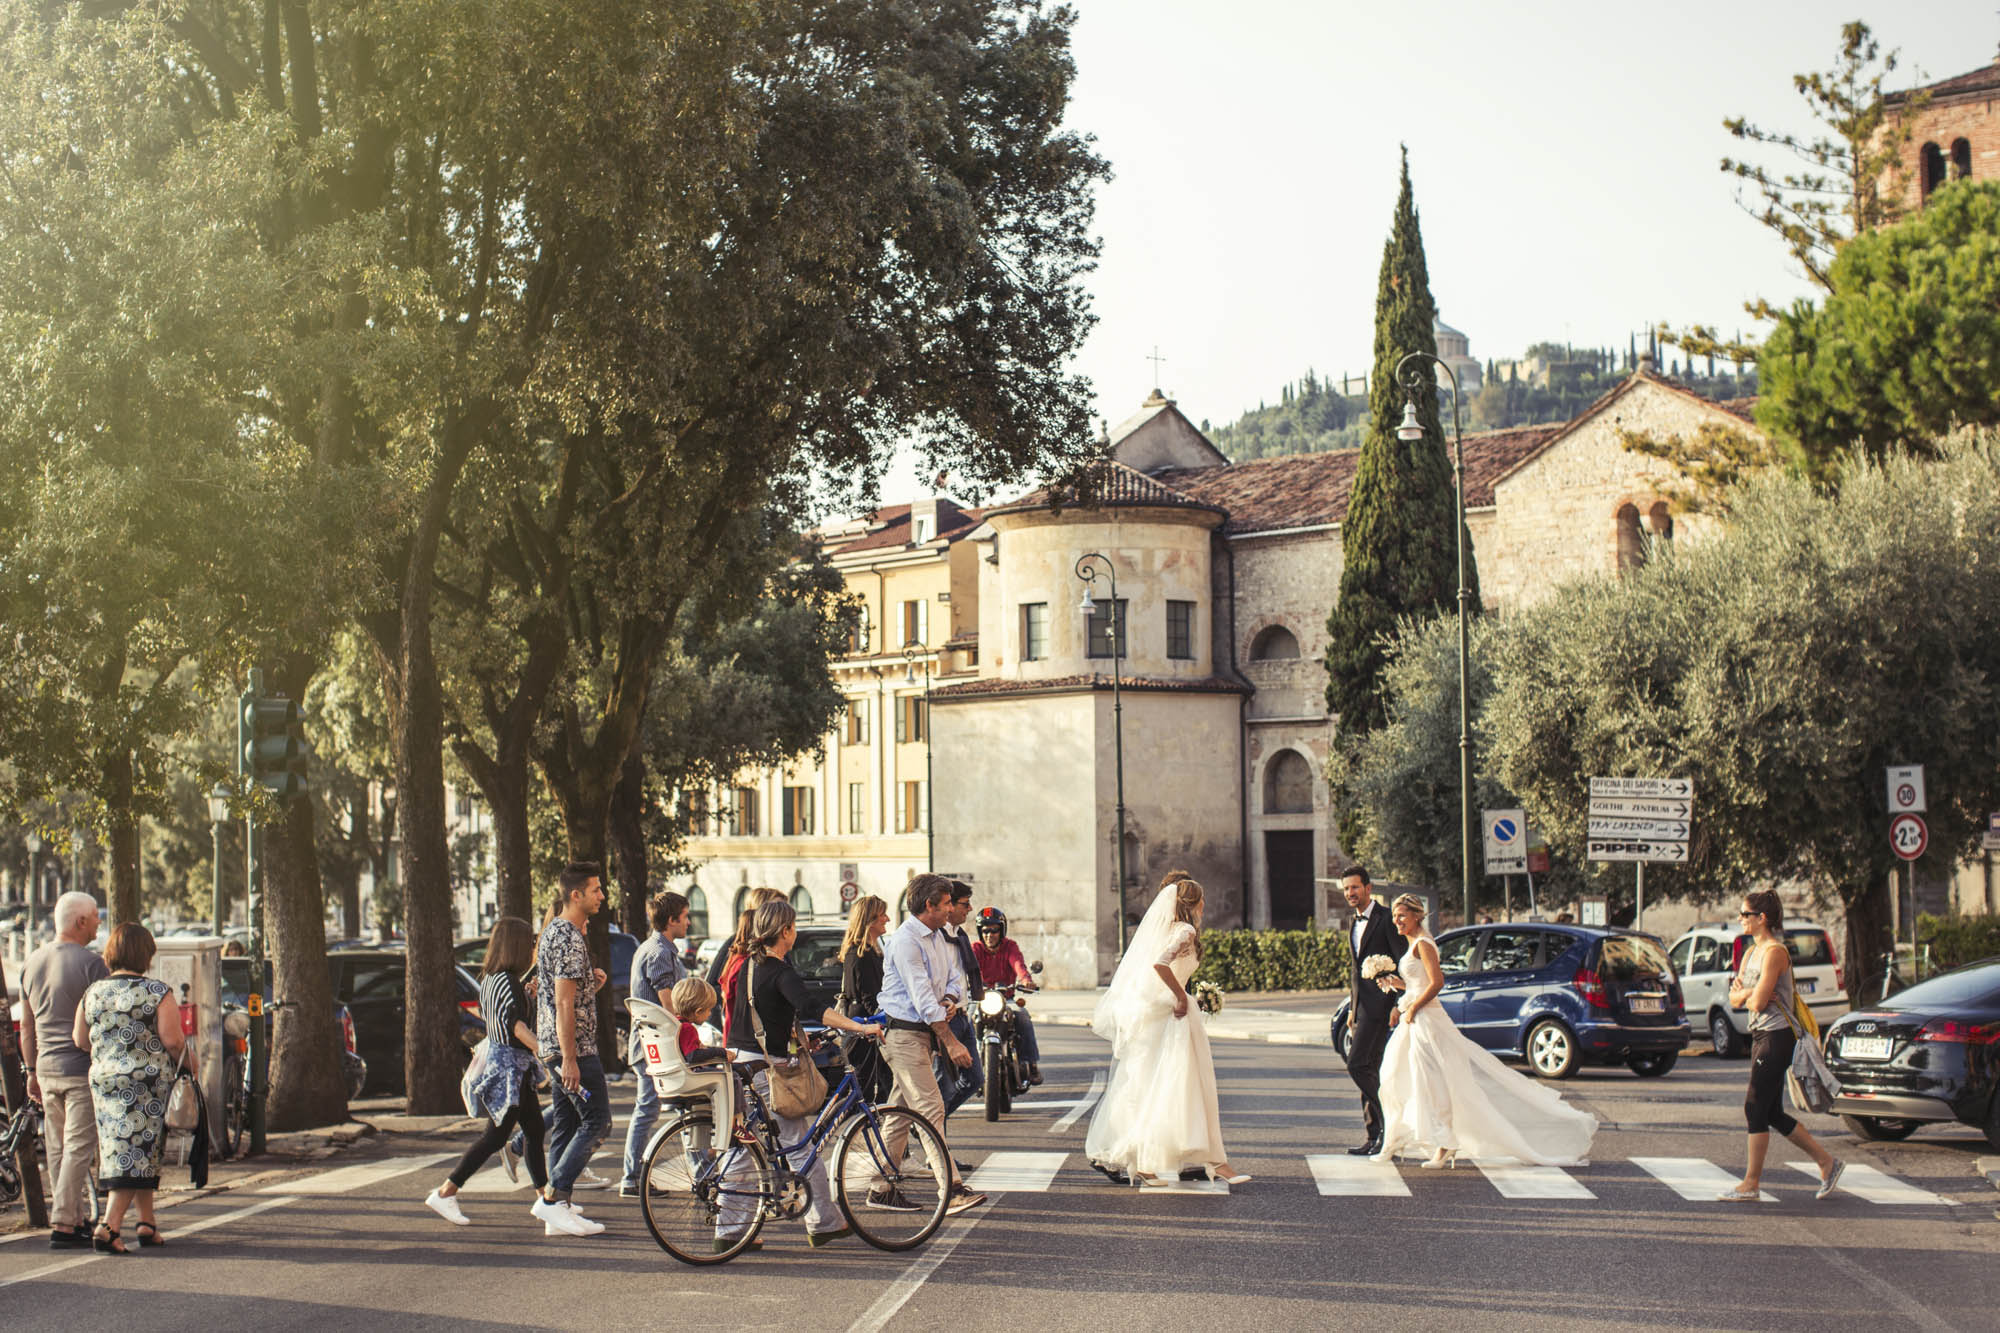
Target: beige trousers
(909,1057)
(69,1133)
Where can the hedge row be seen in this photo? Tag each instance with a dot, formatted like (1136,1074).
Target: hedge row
(1957,940)
(1260,960)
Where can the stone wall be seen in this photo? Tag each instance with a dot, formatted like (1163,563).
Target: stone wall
(1977,121)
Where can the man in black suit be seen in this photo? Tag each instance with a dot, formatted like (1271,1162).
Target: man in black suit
(1368,1015)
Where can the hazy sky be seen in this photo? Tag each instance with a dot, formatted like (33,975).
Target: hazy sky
(1564,158)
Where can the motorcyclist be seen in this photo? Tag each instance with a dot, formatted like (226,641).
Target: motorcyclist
(1001,964)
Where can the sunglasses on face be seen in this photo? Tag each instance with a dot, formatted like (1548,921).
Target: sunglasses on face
(1746,915)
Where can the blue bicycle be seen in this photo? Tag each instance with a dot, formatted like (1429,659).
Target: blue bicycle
(705,1202)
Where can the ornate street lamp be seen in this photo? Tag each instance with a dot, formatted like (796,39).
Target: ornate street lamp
(912,654)
(218,815)
(1414,381)
(1089,572)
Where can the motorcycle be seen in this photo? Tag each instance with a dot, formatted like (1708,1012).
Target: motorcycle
(995,1026)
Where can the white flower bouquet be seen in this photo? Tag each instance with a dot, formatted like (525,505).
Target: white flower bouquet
(1377,966)
(1207,997)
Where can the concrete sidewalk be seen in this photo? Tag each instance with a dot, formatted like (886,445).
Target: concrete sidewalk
(1285,1018)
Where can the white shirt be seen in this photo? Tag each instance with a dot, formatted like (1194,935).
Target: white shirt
(1361,920)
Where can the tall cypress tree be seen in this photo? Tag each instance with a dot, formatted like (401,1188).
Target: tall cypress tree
(1399,540)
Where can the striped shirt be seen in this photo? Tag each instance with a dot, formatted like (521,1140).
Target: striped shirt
(502,1005)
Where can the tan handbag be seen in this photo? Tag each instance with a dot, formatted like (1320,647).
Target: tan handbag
(797,1091)
(184,1098)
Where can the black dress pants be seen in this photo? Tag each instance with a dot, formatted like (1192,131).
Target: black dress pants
(1365,1045)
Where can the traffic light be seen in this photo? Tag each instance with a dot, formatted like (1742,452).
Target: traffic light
(274,747)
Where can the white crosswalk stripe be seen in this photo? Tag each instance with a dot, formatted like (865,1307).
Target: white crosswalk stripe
(1517,1181)
(1693,1178)
(343,1179)
(1865,1182)
(1017,1172)
(1339,1174)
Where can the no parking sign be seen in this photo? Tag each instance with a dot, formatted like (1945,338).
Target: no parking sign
(1506,841)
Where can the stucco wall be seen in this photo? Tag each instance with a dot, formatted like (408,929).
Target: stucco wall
(1160,555)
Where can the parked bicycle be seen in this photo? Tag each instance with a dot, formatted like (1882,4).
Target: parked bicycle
(691,1186)
(26,1126)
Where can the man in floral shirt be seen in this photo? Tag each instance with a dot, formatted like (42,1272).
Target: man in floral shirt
(566,1029)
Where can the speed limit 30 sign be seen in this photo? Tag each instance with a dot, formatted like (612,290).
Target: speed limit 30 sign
(1909,836)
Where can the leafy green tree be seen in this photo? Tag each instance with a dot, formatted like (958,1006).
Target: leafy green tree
(1399,540)
(1713,463)
(1783,664)
(1906,345)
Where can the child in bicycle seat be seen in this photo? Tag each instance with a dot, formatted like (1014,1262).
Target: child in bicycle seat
(693,1001)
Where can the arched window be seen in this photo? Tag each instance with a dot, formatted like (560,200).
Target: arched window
(1660,522)
(1631,540)
(1930,169)
(1274,644)
(1961,160)
(1288,785)
(802,900)
(742,903)
(697,912)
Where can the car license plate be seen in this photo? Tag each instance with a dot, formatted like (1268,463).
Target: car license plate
(1865,1048)
(1646,1004)
(1806,985)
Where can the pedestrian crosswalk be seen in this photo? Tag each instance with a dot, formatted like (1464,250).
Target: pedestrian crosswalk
(1334,1175)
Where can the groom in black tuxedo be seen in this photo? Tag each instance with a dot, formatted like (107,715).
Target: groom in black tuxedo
(1368,1016)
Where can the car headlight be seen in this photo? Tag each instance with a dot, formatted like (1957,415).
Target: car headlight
(991,1004)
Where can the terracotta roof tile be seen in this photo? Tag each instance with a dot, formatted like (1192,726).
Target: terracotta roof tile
(1104,482)
(953,523)
(1985,79)
(991,685)
(1312,490)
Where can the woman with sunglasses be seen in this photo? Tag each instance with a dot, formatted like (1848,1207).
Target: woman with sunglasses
(1763,985)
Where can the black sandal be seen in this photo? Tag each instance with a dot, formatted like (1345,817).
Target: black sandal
(107,1242)
(151,1242)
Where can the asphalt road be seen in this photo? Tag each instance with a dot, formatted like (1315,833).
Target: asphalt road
(1623,1251)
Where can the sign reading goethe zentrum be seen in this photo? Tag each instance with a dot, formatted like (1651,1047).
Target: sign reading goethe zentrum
(1640,819)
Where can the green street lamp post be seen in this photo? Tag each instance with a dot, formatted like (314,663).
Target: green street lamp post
(1414,380)
(1087,569)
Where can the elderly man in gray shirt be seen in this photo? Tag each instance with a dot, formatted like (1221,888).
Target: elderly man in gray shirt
(53,983)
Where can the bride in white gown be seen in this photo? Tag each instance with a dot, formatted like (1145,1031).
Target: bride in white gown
(1159,1113)
(1445,1092)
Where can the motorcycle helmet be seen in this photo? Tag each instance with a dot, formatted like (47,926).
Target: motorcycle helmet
(992,918)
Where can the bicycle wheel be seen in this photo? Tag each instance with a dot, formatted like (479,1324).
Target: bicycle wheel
(704,1204)
(235,1109)
(891,1204)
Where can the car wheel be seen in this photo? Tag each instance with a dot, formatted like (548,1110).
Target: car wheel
(1879,1129)
(1722,1036)
(1993,1122)
(1339,1038)
(1551,1050)
(1655,1064)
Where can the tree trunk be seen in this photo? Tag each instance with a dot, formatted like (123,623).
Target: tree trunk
(124,830)
(1869,939)
(387,899)
(432,1053)
(503,781)
(628,846)
(307,1088)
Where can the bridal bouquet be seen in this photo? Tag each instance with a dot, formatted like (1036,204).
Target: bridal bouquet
(1376,966)
(1207,997)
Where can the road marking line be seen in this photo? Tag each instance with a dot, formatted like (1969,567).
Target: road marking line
(1693,1178)
(1185,1187)
(343,1179)
(1030,1171)
(1516,1180)
(1866,1182)
(1089,1100)
(190,1229)
(1337,1173)
(493,1180)
(878,1315)
(1027,1103)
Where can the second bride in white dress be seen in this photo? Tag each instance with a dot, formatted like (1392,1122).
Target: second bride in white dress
(1444,1092)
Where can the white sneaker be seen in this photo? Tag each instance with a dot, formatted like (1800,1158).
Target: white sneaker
(585,1226)
(559,1219)
(446,1206)
(509,1163)
(590,1180)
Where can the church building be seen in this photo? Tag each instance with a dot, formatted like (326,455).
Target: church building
(995,726)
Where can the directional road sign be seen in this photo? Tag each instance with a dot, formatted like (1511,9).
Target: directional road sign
(1657,830)
(1906,789)
(1668,787)
(1611,849)
(1506,841)
(1909,836)
(1991,842)
(1641,807)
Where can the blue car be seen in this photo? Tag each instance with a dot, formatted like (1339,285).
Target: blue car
(1559,996)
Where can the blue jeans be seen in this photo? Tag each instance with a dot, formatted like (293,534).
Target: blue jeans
(1024,1032)
(959,1085)
(645,1115)
(581,1122)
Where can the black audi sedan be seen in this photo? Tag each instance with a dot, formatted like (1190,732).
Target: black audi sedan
(1927,1054)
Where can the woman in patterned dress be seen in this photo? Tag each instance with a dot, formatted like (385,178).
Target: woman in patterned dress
(131,1026)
